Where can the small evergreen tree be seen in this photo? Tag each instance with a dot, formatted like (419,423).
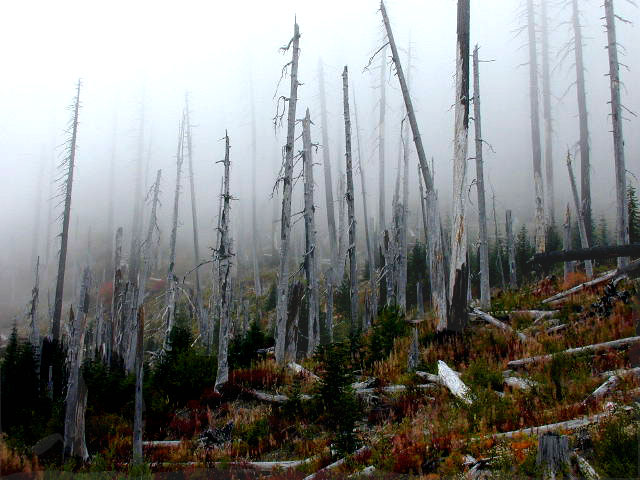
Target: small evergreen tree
(417,272)
(602,237)
(634,214)
(524,251)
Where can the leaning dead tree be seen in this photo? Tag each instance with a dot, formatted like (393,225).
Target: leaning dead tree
(287,186)
(546,114)
(34,336)
(170,308)
(76,400)
(584,241)
(310,255)
(223,256)
(254,165)
(328,181)
(351,213)
(485,290)
(382,224)
(434,241)
(200,312)
(458,278)
(66,187)
(622,214)
(535,130)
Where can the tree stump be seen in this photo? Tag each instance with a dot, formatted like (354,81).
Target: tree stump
(553,452)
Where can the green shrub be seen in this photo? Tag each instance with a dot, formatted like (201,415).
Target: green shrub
(244,350)
(387,326)
(615,445)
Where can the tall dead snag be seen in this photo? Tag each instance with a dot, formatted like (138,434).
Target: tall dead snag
(76,401)
(382,224)
(342,247)
(498,243)
(435,244)
(351,212)
(223,255)
(171,277)
(328,181)
(566,243)
(111,195)
(485,290)
(200,312)
(584,241)
(117,297)
(254,222)
(622,214)
(66,187)
(287,185)
(138,200)
(585,151)
(511,251)
(137,416)
(535,130)
(546,109)
(34,336)
(458,281)
(329,313)
(310,258)
(367,233)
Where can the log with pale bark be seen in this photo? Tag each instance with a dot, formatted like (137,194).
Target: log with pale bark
(451,380)
(497,323)
(332,466)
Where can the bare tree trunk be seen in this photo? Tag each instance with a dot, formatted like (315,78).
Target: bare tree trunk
(353,276)
(76,401)
(171,277)
(585,153)
(382,224)
(111,194)
(485,288)
(285,227)
(200,312)
(329,313)
(66,216)
(254,240)
(136,226)
(535,131)
(419,299)
(459,268)
(117,298)
(34,337)
(498,245)
(437,273)
(328,181)
(224,254)
(138,401)
(622,214)
(310,258)
(342,234)
(511,251)
(566,243)
(548,120)
(584,241)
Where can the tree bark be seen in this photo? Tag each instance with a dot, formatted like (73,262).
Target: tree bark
(535,130)
(382,223)
(138,401)
(511,251)
(485,289)
(34,336)
(285,228)
(622,214)
(116,300)
(547,115)
(66,216)
(566,244)
(583,231)
(136,224)
(593,253)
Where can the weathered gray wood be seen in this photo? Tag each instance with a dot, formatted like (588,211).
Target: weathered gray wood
(519,383)
(117,298)
(584,240)
(414,351)
(621,343)
(67,188)
(285,226)
(34,334)
(329,313)
(136,223)
(610,275)
(511,251)
(553,452)
(138,400)
(535,130)
(586,469)
(382,223)
(547,115)
(448,378)
(419,299)
(497,323)
(569,425)
(311,251)
(622,214)
(485,289)
(223,254)
(257,285)
(569,266)
(350,198)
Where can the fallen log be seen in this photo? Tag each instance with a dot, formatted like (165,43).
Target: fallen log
(334,465)
(557,328)
(567,426)
(162,443)
(428,376)
(585,469)
(497,323)
(621,372)
(300,370)
(593,253)
(623,342)
(603,390)
(449,379)
(365,472)
(519,383)
(610,275)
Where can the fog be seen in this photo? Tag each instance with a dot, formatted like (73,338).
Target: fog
(138,60)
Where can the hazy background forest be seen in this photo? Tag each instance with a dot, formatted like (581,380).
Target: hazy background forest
(137,60)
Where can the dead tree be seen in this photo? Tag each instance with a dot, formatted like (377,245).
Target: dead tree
(111,194)
(199,306)
(353,276)
(137,416)
(328,181)
(435,244)
(535,130)
(382,224)
(116,299)
(310,257)
(342,239)
(254,165)
(34,336)
(584,241)
(66,188)
(285,226)
(583,119)
(171,292)
(76,400)
(566,243)
(138,200)
(224,253)
(498,243)
(622,214)
(547,115)
(329,312)
(459,271)
(511,251)
(485,289)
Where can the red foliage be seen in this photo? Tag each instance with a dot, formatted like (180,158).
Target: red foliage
(105,293)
